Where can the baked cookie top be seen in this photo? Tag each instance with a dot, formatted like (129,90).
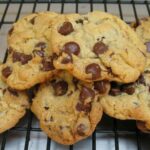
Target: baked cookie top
(97,46)
(29,55)
(13,105)
(130,101)
(68,109)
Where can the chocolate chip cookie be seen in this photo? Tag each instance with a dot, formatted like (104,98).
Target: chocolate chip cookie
(29,54)
(97,46)
(68,109)
(142,28)
(13,105)
(130,101)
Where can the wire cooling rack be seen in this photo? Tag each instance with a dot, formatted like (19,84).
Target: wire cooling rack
(110,134)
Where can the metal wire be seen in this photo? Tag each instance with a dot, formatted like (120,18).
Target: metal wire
(29,127)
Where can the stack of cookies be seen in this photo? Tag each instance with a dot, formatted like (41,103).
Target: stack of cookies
(84,65)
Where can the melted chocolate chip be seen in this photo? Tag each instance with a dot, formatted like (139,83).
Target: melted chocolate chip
(47,65)
(148,46)
(6,72)
(41,45)
(128,89)
(39,52)
(71,48)
(79,21)
(66,28)
(115,91)
(84,107)
(81,129)
(141,80)
(93,69)
(101,86)
(99,48)
(67,59)
(60,88)
(21,57)
(86,93)
(13,92)
(75,82)
(11,31)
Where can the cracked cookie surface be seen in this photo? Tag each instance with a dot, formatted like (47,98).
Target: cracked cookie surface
(97,46)
(29,55)
(13,105)
(68,109)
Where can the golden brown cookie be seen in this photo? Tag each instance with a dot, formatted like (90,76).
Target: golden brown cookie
(29,54)
(13,105)
(97,46)
(69,109)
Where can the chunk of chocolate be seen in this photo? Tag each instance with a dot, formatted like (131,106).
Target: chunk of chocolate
(13,91)
(81,129)
(41,45)
(99,48)
(60,88)
(67,59)
(71,48)
(114,91)
(101,86)
(21,57)
(141,80)
(66,28)
(39,52)
(75,82)
(86,93)
(7,71)
(128,89)
(47,65)
(93,69)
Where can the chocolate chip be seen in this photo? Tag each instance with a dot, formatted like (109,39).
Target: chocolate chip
(47,65)
(67,59)
(99,48)
(101,86)
(128,89)
(46,108)
(41,45)
(81,129)
(21,57)
(149,88)
(79,106)
(86,93)
(6,72)
(32,21)
(4,90)
(60,88)
(115,91)
(75,82)
(11,31)
(141,80)
(39,52)
(54,56)
(71,48)
(13,91)
(66,28)
(93,69)
(84,107)
(148,46)
(79,21)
